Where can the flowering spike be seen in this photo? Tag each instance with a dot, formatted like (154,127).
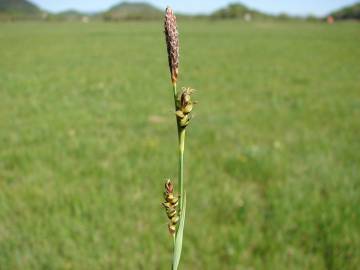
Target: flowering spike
(184,107)
(170,205)
(172,43)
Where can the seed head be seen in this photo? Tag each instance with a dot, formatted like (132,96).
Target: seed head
(170,206)
(184,107)
(169,187)
(172,43)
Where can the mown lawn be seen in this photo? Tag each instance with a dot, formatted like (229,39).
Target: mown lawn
(87,137)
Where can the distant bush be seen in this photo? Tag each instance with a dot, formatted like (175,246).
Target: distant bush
(351,12)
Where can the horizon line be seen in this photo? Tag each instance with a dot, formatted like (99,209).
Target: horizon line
(190,13)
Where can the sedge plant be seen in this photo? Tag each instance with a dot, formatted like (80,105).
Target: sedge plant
(175,205)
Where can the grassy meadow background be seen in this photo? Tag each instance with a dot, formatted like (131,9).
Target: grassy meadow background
(88,135)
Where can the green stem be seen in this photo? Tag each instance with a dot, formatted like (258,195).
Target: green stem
(175,94)
(182,134)
(181,137)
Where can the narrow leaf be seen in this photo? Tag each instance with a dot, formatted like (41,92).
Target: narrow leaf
(179,237)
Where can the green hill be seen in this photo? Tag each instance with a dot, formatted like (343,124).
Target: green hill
(238,11)
(18,7)
(70,15)
(18,10)
(348,13)
(133,11)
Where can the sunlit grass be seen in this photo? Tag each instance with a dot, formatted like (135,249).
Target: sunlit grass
(86,135)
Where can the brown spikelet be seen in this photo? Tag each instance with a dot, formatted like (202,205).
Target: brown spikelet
(172,43)
(169,188)
(170,205)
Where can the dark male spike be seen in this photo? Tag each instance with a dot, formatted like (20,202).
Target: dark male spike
(172,43)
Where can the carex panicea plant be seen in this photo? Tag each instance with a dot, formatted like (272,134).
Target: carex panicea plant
(175,205)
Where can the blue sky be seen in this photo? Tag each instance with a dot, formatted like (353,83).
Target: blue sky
(294,7)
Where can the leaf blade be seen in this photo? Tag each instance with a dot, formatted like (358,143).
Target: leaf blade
(179,237)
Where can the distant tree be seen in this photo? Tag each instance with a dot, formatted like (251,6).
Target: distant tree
(347,13)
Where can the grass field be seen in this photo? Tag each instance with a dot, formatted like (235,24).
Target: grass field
(87,137)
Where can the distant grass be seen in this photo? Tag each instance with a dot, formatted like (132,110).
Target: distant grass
(272,160)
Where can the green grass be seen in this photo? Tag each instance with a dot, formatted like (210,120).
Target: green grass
(88,135)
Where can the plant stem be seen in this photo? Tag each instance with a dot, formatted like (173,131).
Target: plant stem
(181,137)
(175,94)
(182,134)
(181,140)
